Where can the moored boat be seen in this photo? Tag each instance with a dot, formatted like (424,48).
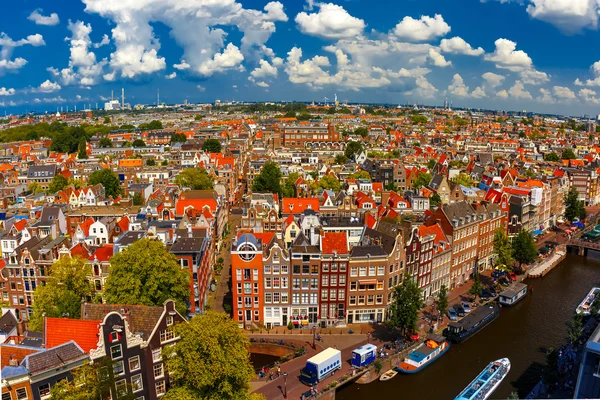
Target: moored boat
(459,331)
(585,307)
(512,294)
(388,375)
(425,354)
(487,381)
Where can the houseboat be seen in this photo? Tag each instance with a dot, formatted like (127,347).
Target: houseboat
(512,294)
(459,331)
(487,381)
(429,351)
(585,307)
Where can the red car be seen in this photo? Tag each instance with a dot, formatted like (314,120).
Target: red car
(513,277)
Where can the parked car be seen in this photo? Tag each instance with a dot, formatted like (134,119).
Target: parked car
(460,311)
(466,306)
(504,281)
(451,313)
(492,291)
(513,277)
(485,295)
(497,273)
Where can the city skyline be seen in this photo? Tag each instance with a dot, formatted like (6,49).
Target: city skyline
(510,55)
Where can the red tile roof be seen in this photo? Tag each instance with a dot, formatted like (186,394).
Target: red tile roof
(297,206)
(103,253)
(334,243)
(62,330)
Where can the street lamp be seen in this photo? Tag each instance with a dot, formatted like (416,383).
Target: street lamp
(285,385)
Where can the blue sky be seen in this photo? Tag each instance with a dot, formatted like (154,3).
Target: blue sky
(536,55)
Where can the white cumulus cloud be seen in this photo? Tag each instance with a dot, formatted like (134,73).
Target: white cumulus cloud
(518,91)
(457,45)
(457,86)
(331,22)
(478,93)
(39,19)
(589,96)
(563,93)
(438,59)
(422,30)
(493,79)
(503,94)
(6,92)
(230,58)
(172,75)
(47,87)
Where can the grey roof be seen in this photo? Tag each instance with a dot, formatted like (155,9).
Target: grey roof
(130,237)
(379,238)
(187,245)
(53,358)
(366,251)
(458,210)
(436,181)
(8,322)
(48,216)
(302,245)
(41,171)
(341,222)
(141,319)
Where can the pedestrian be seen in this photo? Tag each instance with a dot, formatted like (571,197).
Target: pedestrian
(278,371)
(270,375)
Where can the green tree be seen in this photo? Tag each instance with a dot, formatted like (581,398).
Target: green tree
(105,142)
(109,179)
(353,148)
(524,248)
(59,182)
(464,179)
(568,154)
(418,119)
(138,143)
(441,302)
(82,154)
(435,199)
(422,180)
(152,125)
(362,131)
(198,117)
(195,178)
(138,200)
(362,175)
(503,250)
(476,287)
(552,156)
(269,179)
(126,143)
(75,182)
(431,163)
(35,188)
(67,285)
(146,273)
(328,182)
(513,396)
(340,159)
(575,328)
(210,361)
(405,307)
(164,163)
(150,162)
(178,138)
(211,146)
(289,187)
(106,120)
(574,208)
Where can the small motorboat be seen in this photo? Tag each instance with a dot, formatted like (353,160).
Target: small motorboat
(388,375)
(585,307)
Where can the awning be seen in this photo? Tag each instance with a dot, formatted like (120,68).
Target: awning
(537,232)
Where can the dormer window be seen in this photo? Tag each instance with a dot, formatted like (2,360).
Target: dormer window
(26,260)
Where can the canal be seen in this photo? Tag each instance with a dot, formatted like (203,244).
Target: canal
(521,333)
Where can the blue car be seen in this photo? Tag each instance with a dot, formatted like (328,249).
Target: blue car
(466,307)
(497,273)
(452,314)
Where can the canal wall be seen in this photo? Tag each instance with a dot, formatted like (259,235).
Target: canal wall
(270,349)
(541,269)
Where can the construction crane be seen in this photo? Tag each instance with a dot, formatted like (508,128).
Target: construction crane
(325,99)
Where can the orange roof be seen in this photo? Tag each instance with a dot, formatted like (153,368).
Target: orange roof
(62,330)
(103,253)
(334,243)
(293,205)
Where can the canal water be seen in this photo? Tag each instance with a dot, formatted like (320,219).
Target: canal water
(262,360)
(521,333)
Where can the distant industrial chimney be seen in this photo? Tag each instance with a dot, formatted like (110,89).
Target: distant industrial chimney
(112,95)
(122,98)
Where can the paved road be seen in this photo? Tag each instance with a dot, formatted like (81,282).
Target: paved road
(223,293)
(274,390)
